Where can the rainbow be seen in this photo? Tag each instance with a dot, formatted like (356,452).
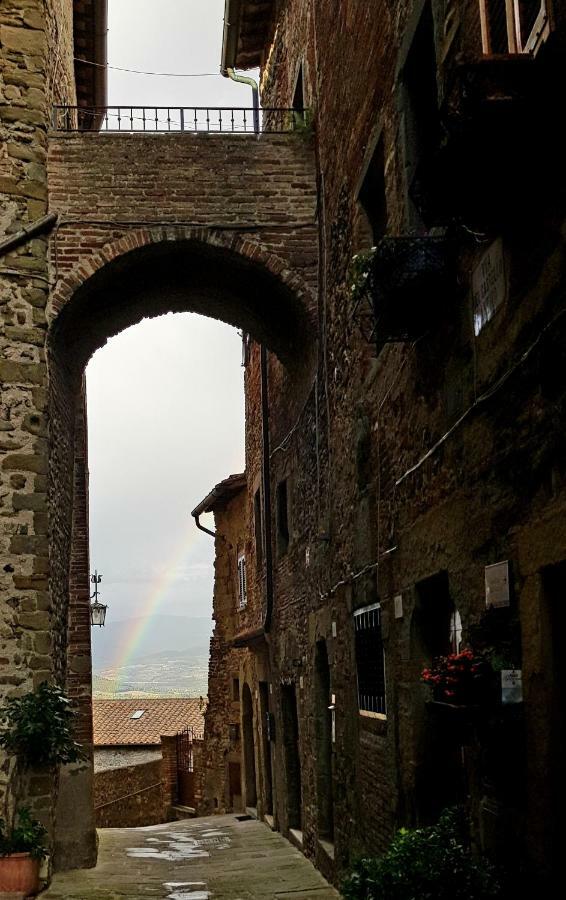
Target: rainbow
(156,594)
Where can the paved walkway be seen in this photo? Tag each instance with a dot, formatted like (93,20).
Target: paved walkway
(195,859)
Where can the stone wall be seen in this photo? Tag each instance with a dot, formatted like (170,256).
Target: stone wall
(130,797)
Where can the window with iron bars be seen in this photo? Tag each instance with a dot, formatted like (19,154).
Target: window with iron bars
(370,660)
(242,582)
(514,26)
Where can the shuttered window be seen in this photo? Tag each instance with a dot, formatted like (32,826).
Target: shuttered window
(370,661)
(242,582)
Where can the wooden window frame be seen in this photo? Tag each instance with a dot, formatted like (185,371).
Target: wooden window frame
(539,32)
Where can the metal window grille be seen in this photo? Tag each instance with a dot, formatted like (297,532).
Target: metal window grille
(242,582)
(370,660)
(514,26)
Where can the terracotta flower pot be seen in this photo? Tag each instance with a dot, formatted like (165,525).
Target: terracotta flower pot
(19,872)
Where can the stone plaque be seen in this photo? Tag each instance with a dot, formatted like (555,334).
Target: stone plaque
(497,584)
(489,285)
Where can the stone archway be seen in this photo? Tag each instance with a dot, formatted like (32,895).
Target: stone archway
(143,276)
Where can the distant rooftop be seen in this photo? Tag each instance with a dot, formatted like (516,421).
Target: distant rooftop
(142,721)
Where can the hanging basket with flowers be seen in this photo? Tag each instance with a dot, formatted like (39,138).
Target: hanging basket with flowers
(460,679)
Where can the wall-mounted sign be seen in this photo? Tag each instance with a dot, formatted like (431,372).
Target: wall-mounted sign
(489,285)
(497,584)
(398,606)
(511,686)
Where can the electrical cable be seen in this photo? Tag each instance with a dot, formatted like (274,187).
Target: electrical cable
(89,62)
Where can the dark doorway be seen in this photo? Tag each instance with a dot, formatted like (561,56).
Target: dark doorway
(292,758)
(550,701)
(249,751)
(235,785)
(323,713)
(440,779)
(185,768)
(266,746)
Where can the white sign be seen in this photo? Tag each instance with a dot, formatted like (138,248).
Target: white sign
(489,285)
(398,604)
(511,686)
(497,584)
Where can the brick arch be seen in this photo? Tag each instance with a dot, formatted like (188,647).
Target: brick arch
(284,324)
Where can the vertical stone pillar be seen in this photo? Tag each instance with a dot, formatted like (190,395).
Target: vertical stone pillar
(169,773)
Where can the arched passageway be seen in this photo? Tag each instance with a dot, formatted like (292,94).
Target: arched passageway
(182,275)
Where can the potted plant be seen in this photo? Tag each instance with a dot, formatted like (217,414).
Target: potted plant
(22,848)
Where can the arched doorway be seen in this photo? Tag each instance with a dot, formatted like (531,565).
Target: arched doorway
(182,275)
(250,781)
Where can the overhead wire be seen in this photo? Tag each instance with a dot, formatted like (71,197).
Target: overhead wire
(90,62)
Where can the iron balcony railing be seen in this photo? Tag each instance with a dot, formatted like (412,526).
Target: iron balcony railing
(165,119)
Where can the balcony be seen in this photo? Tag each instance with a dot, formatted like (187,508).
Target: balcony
(409,283)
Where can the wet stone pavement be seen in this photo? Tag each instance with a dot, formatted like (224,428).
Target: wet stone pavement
(195,859)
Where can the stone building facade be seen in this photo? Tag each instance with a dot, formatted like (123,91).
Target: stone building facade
(397,447)
(418,481)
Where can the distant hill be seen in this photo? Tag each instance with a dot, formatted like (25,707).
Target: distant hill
(180,636)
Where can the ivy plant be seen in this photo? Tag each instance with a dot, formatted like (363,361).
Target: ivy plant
(38,727)
(431,863)
(27,836)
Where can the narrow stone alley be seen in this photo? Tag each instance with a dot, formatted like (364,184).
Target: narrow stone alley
(195,859)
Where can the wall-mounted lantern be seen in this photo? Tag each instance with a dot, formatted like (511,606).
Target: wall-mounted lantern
(97,609)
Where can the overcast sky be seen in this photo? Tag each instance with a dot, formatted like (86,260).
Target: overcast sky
(165,398)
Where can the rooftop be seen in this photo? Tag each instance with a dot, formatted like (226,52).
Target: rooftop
(221,494)
(143,720)
(246,28)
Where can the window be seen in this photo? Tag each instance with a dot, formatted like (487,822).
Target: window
(236,689)
(421,115)
(282,518)
(258,527)
(137,714)
(242,582)
(234,733)
(370,660)
(372,199)
(514,26)
(299,98)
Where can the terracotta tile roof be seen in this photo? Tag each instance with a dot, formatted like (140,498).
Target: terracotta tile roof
(114,726)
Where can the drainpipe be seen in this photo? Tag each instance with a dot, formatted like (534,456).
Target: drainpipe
(46,223)
(243,79)
(266,484)
(202,527)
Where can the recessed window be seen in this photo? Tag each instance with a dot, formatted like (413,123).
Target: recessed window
(299,96)
(282,517)
(372,200)
(370,660)
(242,581)
(137,714)
(234,733)
(236,689)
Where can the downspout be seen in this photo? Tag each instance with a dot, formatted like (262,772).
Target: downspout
(202,527)
(266,485)
(243,79)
